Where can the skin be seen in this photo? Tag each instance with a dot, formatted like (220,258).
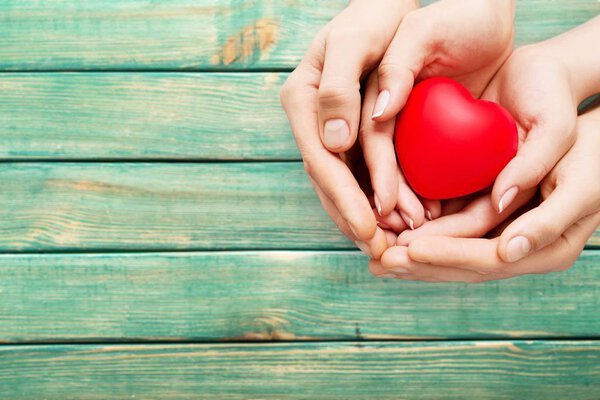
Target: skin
(397,42)
(542,91)
(558,228)
(325,87)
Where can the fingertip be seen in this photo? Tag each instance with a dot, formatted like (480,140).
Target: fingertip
(395,257)
(378,244)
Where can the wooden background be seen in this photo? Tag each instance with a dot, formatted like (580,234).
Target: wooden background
(159,238)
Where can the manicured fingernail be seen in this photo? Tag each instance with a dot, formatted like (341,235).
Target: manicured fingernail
(363,247)
(399,270)
(335,133)
(386,276)
(352,230)
(408,220)
(517,248)
(381,104)
(378,205)
(507,198)
(429,217)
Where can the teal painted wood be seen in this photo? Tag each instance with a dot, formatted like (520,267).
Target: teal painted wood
(264,296)
(169,34)
(200,34)
(162,206)
(143,116)
(354,370)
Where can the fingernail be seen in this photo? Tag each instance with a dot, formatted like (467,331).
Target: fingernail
(381,104)
(408,220)
(363,247)
(378,205)
(335,133)
(386,276)
(517,248)
(429,217)
(399,270)
(507,198)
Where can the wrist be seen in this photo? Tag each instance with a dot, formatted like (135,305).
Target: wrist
(575,51)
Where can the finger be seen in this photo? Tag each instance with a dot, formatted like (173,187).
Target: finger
(481,255)
(401,64)
(475,220)
(410,207)
(576,196)
(328,171)
(433,208)
(339,99)
(378,149)
(396,261)
(393,221)
(474,254)
(373,247)
(539,153)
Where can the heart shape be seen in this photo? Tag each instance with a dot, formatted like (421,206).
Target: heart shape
(450,144)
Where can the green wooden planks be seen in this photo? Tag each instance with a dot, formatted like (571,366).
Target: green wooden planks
(277,296)
(161,206)
(354,370)
(200,34)
(143,116)
(169,34)
(145,206)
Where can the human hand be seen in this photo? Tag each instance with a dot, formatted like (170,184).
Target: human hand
(322,101)
(467,41)
(545,239)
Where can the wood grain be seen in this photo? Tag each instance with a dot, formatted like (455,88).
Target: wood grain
(143,116)
(200,34)
(264,296)
(351,370)
(161,206)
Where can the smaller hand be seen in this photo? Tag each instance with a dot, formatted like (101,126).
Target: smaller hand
(467,41)
(545,239)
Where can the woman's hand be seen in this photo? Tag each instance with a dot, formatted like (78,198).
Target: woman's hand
(322,100)
(465,40)
(545,239)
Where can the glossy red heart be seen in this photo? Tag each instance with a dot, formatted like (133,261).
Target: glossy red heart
(450,144)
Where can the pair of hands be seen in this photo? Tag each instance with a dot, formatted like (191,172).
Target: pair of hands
(467,41)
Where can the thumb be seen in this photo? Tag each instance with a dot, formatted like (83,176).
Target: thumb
(339,98)
(401,64)
(545,224)
(543,147)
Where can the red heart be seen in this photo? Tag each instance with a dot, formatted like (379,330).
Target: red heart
(450,144)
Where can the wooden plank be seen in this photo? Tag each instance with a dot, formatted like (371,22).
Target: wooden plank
(351,370)
(200,34)
(161,206)
(143,116)
(263,296)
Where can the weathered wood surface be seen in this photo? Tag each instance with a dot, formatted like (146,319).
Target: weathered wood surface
(263,296)
(200,34)
(143,116)
(162,206)
(351,370)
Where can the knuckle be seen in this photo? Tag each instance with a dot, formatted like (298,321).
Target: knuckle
(389,70)
(334,93)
